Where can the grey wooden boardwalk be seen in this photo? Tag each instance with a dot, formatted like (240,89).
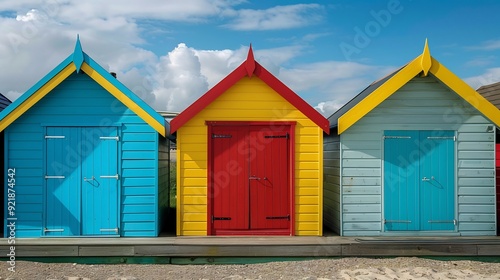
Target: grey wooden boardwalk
(329,246)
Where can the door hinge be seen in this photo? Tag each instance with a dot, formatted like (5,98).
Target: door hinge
(109,176)
(287,217)
(53,230)
(220,218)
(442,137)
(454,221)
(396,137)
(287,136)
(397,221)
(109,229)
(54,177)
(221,136)
(110,138)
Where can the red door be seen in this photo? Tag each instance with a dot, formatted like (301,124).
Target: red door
(250,187)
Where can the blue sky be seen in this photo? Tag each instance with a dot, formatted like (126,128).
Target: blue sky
(171,52)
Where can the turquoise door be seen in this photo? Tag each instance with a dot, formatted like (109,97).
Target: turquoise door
(81,181)
(419,180)
(100,181)
(62,181)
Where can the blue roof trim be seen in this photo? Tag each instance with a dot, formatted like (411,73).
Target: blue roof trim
(130,94)
(36,87)
(78,55)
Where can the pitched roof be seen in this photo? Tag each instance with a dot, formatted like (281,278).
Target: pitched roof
(333,119)
(249,68)
(379,91)
(4,102)
(77,61)
(491,92)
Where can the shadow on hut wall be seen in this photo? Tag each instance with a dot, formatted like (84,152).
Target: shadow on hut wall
(168,220)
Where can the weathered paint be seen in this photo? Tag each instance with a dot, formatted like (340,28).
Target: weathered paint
(250,100)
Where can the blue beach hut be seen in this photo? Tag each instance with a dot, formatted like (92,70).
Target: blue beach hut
(412,155)
(90,157)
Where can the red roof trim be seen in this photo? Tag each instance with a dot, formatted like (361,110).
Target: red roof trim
(207,98)
(247,68)
(250,63)
(292,97)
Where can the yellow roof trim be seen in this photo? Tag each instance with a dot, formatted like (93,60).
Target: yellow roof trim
(379,95)
(423,63)
(426,61)
(37,96)
(123,98)
(466,92)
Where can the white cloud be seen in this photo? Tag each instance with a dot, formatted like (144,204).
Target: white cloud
(70,10)
(178,80)
(490,45)
(492,75)
(275,18)
(36,36)
(481,61)
(33,14)
(332,83)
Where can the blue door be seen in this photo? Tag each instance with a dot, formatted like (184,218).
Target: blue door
(82,181)
(419,180)
(100,181)
(62,181)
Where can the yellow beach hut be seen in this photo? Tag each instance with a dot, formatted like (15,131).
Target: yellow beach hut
(249,159)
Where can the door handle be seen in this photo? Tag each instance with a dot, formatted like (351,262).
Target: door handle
(89,179)
(253,177)
(425,179)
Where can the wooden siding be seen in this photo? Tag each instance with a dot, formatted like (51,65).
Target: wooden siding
(250,99)
(331,181)
(422,104)
(79,101)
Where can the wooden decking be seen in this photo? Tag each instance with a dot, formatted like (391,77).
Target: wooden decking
(193,247)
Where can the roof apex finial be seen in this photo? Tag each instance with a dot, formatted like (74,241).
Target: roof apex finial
(78,54)
(426,61)
(250,62)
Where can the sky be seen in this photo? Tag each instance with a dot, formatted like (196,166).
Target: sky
(172,52)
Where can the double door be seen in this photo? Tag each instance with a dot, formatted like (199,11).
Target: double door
(81,181)
(419,180)
(249,189)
